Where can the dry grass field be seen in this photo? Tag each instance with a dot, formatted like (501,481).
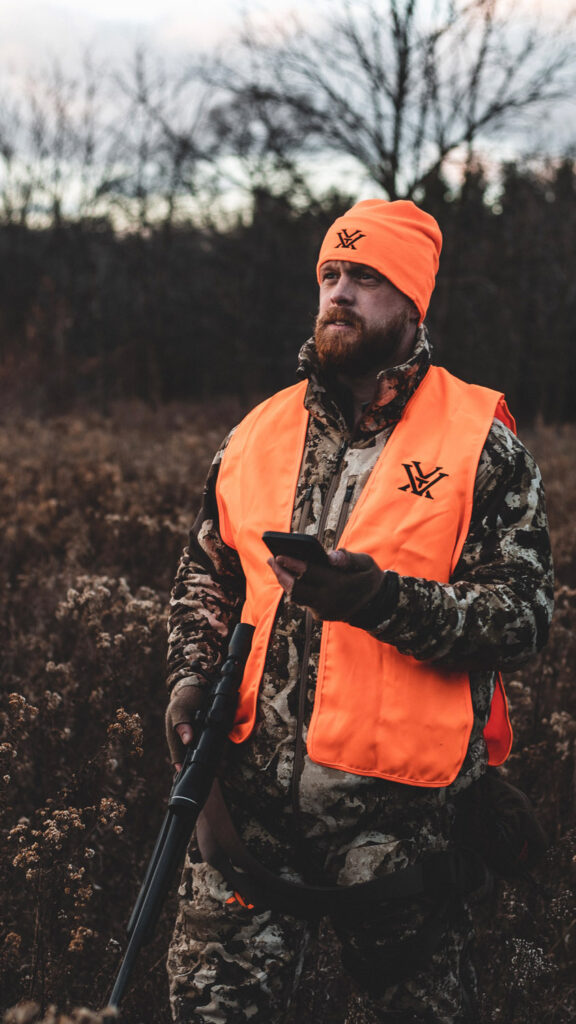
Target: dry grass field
(94,513)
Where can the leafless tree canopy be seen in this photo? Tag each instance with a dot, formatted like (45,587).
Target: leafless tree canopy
(132,143)
(398,85)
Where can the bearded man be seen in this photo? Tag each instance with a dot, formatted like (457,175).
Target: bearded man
(371,700)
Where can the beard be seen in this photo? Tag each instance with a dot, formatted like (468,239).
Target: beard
(357,349)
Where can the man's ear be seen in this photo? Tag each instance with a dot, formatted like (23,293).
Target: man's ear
(414,315)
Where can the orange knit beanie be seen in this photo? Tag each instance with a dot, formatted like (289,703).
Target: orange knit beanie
(398,239)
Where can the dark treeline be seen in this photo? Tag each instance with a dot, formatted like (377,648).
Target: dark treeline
(92,316)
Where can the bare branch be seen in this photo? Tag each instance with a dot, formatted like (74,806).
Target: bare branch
(401,85)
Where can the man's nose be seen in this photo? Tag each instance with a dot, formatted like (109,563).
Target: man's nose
(342,292)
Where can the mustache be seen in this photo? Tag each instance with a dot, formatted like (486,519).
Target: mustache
(339,316)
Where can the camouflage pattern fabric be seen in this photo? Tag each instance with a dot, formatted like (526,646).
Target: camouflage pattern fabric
(310,822)
(230,964)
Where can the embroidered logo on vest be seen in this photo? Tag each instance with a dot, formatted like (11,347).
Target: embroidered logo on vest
(347,241)
(421,483)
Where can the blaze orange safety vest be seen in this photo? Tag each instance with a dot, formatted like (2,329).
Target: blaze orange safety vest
(376,712)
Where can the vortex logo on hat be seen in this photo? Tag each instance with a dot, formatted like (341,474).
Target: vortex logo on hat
(347,241)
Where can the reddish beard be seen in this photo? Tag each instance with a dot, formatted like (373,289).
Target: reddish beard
(357,349)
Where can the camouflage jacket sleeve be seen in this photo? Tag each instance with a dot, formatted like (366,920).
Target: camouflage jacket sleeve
(497,608)
(207,596)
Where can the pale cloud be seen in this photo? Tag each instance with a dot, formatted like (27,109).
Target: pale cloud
(35,34)
(33,29)
(116,10)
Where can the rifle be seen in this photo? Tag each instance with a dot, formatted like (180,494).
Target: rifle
(187,797)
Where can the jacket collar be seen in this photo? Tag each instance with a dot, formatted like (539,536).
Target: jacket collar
(330,401)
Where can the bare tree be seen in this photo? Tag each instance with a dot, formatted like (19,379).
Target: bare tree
(165,139)
(56,145)
(398,85)
(134,144)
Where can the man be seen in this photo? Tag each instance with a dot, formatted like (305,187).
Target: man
(371,698)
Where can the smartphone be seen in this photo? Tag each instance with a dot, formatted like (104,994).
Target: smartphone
(296,545)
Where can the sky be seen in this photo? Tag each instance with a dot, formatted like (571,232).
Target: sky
(36,30)
(26,24)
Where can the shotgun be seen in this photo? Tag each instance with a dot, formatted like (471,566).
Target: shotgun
(187,797)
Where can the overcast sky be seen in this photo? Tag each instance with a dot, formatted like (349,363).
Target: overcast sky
(34,30)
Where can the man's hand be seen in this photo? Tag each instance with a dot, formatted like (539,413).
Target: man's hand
(186,698)
(351,589)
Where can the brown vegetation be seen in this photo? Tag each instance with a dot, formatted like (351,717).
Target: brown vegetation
(94,513)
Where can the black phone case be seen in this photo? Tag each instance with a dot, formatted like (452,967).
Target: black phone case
(296,545)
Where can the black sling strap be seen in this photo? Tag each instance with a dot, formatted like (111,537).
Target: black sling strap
(438,875)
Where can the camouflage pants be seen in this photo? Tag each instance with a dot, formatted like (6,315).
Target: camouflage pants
(229,964)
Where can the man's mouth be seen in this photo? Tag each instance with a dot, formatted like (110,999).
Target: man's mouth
(340,321)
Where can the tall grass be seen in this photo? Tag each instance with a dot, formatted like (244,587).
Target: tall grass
(94,513)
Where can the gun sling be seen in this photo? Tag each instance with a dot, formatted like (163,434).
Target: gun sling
(439,875)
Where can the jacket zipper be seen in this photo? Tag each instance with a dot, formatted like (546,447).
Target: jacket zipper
(308,626)
(343,517)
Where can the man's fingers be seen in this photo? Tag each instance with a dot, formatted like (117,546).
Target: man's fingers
(185,733)
(295,566)
(340,559)
(350,561)
(286,570)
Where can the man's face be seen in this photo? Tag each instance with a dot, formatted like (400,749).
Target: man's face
(364,323)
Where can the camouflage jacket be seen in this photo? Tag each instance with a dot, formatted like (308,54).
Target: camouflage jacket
(494,613)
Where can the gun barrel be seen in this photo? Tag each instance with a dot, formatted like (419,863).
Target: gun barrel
(189,793)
